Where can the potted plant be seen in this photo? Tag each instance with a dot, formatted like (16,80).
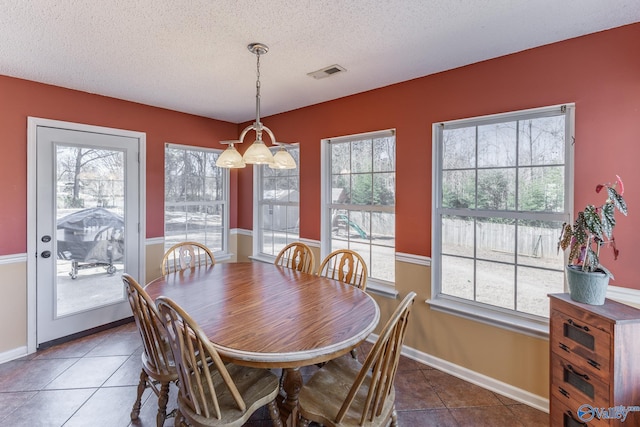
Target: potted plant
(592,229)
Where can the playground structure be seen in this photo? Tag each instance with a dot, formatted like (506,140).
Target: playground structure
(341,222)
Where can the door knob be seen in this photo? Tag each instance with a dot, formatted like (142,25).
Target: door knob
(45,254)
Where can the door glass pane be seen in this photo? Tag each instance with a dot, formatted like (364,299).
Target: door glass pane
(89,196)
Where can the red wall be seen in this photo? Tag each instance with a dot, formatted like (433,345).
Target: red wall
(600,73)
(21,98)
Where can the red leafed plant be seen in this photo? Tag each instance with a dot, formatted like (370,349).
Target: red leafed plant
(593,228)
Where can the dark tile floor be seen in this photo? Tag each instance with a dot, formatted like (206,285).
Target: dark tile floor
(91,382)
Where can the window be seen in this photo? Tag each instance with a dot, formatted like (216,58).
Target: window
(196,202)
(501,194)
(277,201)
(359,195)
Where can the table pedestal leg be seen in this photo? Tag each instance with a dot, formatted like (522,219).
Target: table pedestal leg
(291,385)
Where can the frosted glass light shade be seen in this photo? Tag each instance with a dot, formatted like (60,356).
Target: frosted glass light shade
(258,154)
(230,158)
(283,160)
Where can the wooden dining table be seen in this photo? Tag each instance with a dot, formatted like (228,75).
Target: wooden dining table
(262,315)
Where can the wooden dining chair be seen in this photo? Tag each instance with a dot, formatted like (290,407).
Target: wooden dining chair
(158,366)
(346,266)
(346,393)
(211,393)
(186,254)
(297,256)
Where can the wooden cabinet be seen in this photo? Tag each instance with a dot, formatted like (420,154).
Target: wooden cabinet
(594,363)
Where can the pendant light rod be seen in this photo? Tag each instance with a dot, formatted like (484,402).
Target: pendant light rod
(257,153)
(258,49)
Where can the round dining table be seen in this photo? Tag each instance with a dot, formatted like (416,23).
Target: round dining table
(263,315)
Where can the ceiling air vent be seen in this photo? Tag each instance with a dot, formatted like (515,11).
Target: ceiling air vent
(327,71)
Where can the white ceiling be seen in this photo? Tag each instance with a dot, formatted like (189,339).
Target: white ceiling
(191,55)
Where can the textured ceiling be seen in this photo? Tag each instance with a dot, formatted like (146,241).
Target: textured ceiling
(191,56)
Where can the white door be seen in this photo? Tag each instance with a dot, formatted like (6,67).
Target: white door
(87,209)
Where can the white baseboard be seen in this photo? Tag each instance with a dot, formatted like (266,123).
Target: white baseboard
(504,389)
(12,354)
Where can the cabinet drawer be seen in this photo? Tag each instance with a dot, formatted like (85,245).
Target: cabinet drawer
(562,416)
(591,345)
(575,387)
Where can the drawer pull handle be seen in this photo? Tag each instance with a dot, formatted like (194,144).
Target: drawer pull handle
(573,420)
(570,368)
(575,325)
(593,363)
(563,392)
(564,347)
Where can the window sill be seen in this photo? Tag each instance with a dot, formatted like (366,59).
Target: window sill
(222,256)
(263,258)
(527,325)
(382,289)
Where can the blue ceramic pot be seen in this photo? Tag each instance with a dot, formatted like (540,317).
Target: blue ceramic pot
(587,287)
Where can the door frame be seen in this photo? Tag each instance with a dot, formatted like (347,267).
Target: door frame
(32,125)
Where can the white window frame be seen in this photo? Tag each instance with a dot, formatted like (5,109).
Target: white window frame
(508,319)
(383,287)
(223,254)
(259,202)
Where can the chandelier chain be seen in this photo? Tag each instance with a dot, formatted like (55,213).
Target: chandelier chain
(258,88)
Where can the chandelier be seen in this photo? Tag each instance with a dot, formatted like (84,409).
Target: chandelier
(258,153)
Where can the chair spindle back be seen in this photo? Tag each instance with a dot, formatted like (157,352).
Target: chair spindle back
(297,256)
(194,354)
(346,266)
(186,255)
(152,331)
(381,364)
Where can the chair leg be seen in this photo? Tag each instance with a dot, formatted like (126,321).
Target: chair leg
(274,413)
(394,417)
(142,385)
(179,421)
(163,399)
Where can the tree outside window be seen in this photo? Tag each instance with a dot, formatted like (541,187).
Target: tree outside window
(196,197)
